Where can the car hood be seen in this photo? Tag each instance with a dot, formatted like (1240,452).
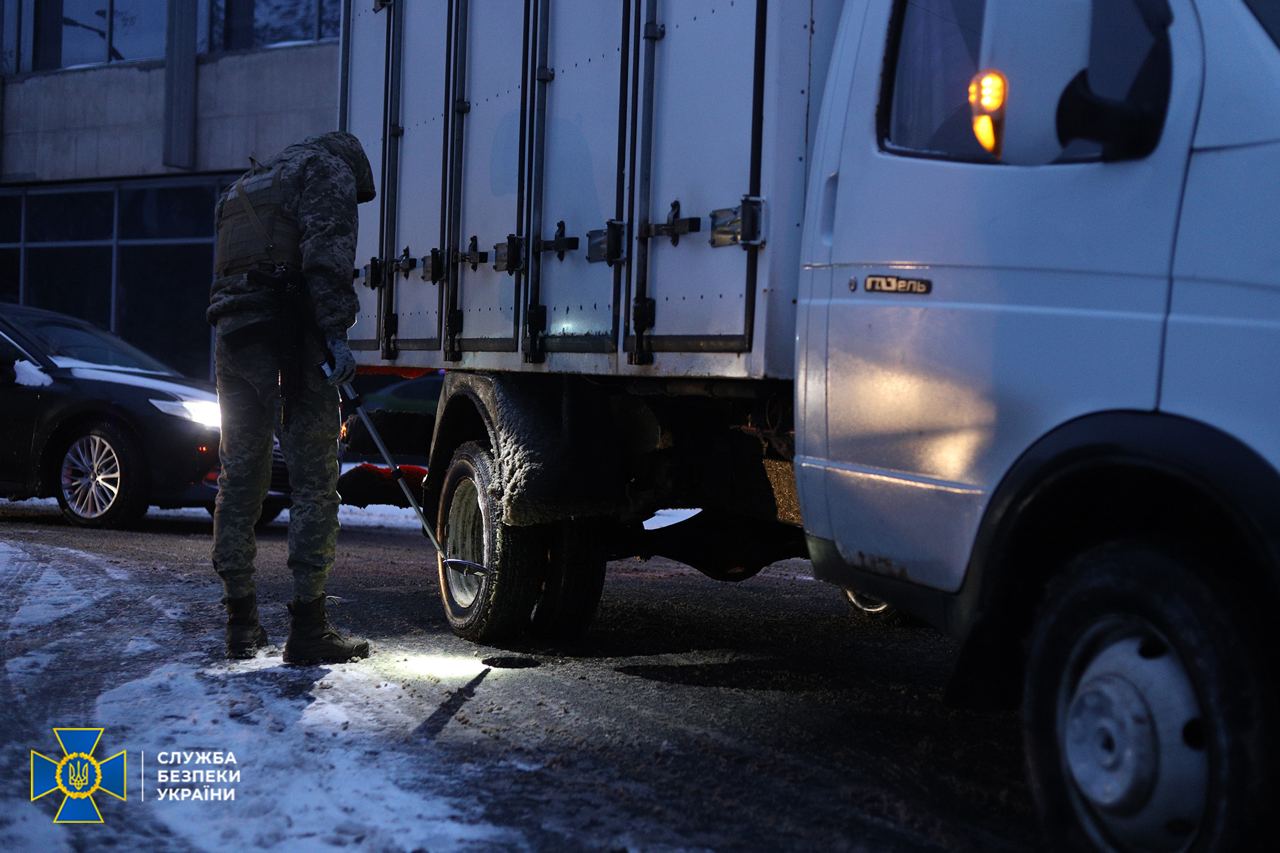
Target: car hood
(178,386)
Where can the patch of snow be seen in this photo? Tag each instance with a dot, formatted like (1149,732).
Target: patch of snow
(378,515)
(313,775)
(30,375)
(140,645)
(667,517)
(30,666)
(50,598)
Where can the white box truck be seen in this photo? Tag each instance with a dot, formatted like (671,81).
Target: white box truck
(973,302)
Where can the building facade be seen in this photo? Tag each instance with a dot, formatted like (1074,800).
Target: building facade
(121,121)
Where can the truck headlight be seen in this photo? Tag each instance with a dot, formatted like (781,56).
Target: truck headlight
(203,412)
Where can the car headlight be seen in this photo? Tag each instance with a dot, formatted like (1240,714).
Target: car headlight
(203,412)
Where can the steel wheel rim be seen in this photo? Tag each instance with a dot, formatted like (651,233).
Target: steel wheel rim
(464,539)
(1132,739)
(90,476)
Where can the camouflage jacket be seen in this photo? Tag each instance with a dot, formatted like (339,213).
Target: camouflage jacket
(322,179)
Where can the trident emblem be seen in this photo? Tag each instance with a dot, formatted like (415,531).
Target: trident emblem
(78,773)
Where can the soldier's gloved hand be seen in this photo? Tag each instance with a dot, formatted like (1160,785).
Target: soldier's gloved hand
(344,363)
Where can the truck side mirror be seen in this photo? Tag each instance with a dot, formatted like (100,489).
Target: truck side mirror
(1033,95)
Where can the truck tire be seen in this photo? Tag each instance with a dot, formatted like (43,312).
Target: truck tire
(497,605)
(1144,708)
(102,478)
(573,582)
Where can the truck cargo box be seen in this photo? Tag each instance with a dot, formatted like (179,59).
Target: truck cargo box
(583,186)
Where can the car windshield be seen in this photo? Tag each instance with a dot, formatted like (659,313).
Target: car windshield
(71,344)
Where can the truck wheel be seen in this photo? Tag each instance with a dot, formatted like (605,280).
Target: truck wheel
(574,582)
(1143,708)
(496,605)
(102,478)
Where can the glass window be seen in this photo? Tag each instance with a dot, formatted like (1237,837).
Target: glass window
(69,216)
(10,218)
(166,212)
(75,281)
(163,294)
(937,57)
(245,24)
(10,269)
(70,32)
(8,37)
(330,18)
(138,29)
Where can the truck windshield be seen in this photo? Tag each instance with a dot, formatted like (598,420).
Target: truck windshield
(1268,14)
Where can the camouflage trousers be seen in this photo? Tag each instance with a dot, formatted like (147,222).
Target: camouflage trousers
(248,366)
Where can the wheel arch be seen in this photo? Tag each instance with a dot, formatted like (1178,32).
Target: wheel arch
(69,424)
(1113,475)
(462,416)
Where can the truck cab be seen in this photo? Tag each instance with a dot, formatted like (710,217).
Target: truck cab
(1035,382)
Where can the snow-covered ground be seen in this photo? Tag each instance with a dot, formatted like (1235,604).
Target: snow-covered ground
(326,756)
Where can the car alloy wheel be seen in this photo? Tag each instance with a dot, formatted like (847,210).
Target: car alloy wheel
(90,476)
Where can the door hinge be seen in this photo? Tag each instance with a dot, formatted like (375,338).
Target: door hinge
(373,273)
(743,225)
(605,244)
(508,256)
(673,227)
(654,31)
(390,328)
(462,106)
(379,5)
(545,74)
(559,243)
(535,325)
(433,266)
(643,313)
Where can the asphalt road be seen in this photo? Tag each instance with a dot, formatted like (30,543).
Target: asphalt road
(695,715)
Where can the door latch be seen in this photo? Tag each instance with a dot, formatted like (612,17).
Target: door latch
(473,255)
(559,243)
(404,263)
(673,227)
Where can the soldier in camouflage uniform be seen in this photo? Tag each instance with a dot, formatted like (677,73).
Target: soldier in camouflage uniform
(281,302)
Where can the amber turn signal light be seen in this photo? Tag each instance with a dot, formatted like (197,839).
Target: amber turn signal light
(987,93)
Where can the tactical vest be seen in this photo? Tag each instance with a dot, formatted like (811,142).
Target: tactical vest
(260,234)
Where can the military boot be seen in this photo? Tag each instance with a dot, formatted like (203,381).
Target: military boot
(313,640)
(245,634)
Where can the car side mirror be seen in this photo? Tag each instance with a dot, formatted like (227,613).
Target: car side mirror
(8,371)
(1032,96)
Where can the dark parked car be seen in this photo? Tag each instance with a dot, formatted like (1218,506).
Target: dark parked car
(102,426)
